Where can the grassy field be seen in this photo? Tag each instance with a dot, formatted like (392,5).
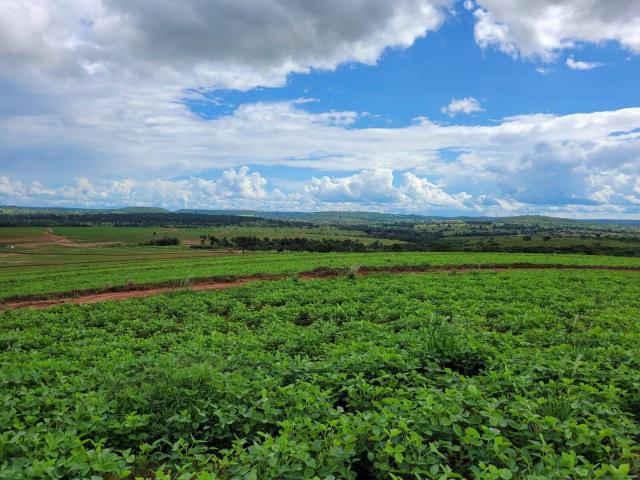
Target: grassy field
(12,234)
(485,375)
(135,236)
(539,241)
(68,270)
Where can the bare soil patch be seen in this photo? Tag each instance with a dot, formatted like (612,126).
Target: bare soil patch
(49,238)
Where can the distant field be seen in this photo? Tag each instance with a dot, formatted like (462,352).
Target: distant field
(539,241)
(137,235)
(49,255)
(64,270)
(9,234)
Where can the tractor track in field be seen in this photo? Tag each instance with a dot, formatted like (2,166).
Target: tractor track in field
(124,292)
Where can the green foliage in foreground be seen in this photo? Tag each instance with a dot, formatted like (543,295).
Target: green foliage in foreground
(511,375)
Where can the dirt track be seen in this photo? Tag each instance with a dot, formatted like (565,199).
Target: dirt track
(49,238)
(138,291)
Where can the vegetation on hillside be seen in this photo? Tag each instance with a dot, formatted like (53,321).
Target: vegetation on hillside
(131,219)
(532,234)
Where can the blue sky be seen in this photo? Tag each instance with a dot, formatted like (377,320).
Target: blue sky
(420,80)
(426,106)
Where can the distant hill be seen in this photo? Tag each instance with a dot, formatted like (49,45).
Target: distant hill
(139,210)
(324,217)
(378,217)
(536,220)
(15,210)
(321,217)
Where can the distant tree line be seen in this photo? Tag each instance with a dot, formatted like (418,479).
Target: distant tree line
(146,219)
(287,244)
(163,242)
(303,244)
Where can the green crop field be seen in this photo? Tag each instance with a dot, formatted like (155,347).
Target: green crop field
(138,235)
(539,241)
(69,269)
(486,375)
(476,374)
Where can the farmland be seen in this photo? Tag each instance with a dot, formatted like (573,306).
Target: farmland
(57,272)
(433,365)
(492,375)
(134,236)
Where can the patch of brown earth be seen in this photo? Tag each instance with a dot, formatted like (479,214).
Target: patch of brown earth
(49,238)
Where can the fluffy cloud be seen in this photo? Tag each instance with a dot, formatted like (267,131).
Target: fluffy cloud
(420,194)
(373,189)
(369,186)
(538,160)
(580,65)
(94,89)
(467,105)
(234,189)
(222,43)
(108,77)
(240,188)
(488,32)
(544,27)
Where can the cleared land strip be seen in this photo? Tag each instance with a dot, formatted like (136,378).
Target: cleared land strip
(127,291)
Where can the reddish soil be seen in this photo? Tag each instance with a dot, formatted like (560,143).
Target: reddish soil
(54,239)
(138,291)
(49,238)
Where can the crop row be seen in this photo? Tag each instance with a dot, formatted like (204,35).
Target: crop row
(45,279)
(487,375)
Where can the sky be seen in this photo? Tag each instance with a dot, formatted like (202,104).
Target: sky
(437,107)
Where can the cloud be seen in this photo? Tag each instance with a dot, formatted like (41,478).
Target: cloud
(467,105)
(488,32)
(234,189)
(373,190)
(217,44)
(9,189)
(89,68)
(420,194)
(543,28)
(580,65)
(367,186)
(375,187)
(240,188)
(540,160)
(95,89)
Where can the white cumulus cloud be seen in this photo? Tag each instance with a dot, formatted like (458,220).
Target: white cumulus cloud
(540,160)
(94,90)
(220,43)
(234,189)
(467,105)
(544,27)
(580,65)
